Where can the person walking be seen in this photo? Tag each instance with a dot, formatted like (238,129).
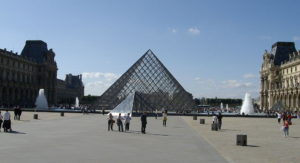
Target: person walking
(214,119)
(278,117)
(289,118)
(165,118)
(144,122)
(120,123)
(127,122)
(20,113)
(286,128)
(15,113)
(1,120)
(110,122)
(7,122)
(219,117)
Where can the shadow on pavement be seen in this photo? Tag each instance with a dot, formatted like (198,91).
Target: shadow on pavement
(252,146)
(228,130)
(139,132)
(15,132)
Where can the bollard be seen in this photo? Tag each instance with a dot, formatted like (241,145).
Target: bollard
(214,127)
(202,121)
(62,114)
(35,116)
(241,140)
(194,117)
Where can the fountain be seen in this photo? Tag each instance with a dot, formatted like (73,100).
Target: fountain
(247,107)
(221,106)
(227,108)
(41,101)
(77,103)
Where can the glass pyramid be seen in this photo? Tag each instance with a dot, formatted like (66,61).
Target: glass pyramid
(154,87)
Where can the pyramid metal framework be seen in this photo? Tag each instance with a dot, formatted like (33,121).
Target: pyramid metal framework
(154,86)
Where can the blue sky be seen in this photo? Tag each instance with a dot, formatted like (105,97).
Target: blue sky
(213,48)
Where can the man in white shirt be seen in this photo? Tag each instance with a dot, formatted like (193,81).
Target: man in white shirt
(6,122)
(127,122)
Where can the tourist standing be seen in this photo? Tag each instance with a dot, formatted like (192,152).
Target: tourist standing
(110,122)
(144,122)
(286,128)
(1,120)
(165,118)
(127,122)
(219,120)
(284,116)
(120,123)
(278,117)
(6,122)
(15,113)
(289,118)
(20,113)
(214,119)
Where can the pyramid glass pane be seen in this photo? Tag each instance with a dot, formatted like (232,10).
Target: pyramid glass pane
(153,85)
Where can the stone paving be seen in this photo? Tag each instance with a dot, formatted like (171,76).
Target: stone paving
(80,138)
(266,142)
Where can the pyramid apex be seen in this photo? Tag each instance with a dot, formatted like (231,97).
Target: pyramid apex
(149,52)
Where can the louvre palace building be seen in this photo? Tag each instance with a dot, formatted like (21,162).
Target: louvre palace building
(280,78)
(21,77)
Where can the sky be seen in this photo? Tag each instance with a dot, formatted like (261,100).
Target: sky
(214,48)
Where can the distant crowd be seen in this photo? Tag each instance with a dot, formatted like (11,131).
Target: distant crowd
(125,120)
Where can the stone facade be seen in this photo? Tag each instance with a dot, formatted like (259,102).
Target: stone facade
(280,77)
(21,76)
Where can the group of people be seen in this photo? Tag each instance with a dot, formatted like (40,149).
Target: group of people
(286,121)
(217,119)
(127,120)
(5,119)
(120,120)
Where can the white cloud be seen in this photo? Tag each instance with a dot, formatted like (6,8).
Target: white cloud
(194,30)
(107,76)
(296,38)
(97,82)
(197,78)
(248,76)
(235,84)
(172,30)
(96,87)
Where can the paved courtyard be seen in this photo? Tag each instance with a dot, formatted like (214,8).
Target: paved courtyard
(266,142)
(84,138)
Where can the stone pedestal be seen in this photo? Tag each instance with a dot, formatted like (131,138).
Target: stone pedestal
(62,114)
(214,127)
(241,140)
(202,121)
(35,116)
(194,117)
